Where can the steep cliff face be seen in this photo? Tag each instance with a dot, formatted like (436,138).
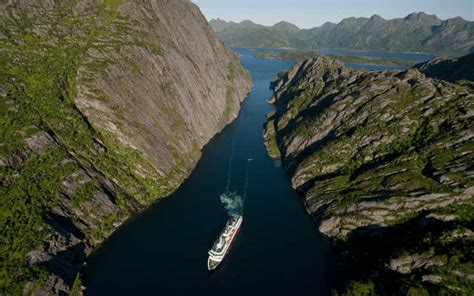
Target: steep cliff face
(104,107)
(384,161)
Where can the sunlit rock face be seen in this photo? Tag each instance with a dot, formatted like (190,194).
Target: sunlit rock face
(384,163)
(105,106)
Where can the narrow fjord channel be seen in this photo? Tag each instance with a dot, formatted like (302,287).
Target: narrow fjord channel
(163,250)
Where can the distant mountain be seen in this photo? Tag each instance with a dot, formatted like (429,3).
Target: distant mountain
(417,32)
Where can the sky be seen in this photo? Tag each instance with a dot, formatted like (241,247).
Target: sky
(311,13)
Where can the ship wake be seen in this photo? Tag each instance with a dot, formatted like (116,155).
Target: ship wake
(232,201)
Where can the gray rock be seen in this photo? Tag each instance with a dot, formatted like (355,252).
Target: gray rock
(381,157)
(159,83)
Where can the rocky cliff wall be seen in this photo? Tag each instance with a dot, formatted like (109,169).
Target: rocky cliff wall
(384,162)
(104,108)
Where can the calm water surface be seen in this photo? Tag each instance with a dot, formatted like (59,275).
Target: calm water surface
(163,250)
(415,57)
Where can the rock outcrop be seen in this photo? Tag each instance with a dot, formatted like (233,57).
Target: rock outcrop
(104,108)
(449,69)
(384,161)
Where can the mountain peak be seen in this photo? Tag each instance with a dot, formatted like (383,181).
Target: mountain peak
(285,26)
(327,25)
(376,19)
(220,24)
(218,20)
(352,22)
(247,22)
(421,17)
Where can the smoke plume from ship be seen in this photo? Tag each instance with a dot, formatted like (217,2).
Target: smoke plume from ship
(233,203)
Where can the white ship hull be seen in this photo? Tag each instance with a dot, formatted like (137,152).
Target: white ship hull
(224,242)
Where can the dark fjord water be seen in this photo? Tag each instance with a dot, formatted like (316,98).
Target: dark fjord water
(163,250)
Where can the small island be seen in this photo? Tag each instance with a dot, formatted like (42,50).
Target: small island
(299,55)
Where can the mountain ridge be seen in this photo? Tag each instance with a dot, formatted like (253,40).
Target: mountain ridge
(416,32)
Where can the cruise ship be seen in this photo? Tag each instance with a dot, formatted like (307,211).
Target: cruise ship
(223,243)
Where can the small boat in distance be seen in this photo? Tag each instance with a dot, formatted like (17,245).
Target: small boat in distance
(224,241)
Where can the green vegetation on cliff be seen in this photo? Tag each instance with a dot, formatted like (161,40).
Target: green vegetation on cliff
(384,160)
(73,166)
(38,79)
